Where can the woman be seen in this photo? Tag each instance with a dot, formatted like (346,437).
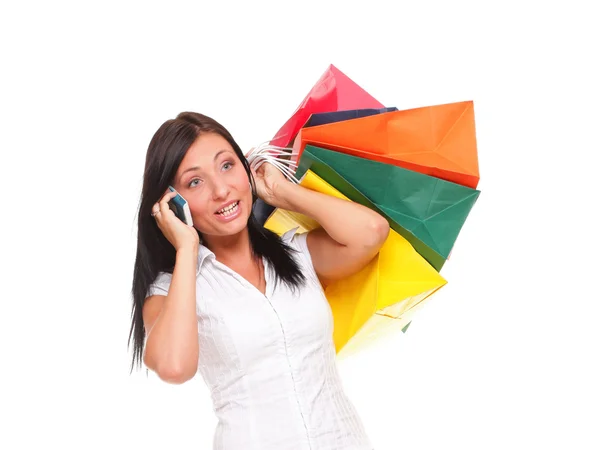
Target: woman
(236,302)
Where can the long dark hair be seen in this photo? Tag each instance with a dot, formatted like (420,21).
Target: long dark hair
(155,253)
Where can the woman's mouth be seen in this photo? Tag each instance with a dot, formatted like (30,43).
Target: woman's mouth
(229,212)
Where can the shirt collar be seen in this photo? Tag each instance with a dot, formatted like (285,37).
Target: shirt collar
(203,253)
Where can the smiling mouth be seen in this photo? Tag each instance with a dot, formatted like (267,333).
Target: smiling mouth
(229,210)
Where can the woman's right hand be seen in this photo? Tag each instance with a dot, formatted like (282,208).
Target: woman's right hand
(178,233)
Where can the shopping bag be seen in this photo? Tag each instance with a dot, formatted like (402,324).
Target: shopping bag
(435,140)
(334,91)
(379,299)
(339,116)
(428,212)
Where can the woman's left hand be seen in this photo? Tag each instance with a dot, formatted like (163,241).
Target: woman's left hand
(269,181)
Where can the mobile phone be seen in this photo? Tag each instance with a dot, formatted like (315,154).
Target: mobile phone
(180,207)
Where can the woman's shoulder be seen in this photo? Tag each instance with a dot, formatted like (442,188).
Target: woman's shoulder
(160,285)
(295,239)
(289,235)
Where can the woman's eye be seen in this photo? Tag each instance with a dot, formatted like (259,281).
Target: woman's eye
(194,183)
(227,166)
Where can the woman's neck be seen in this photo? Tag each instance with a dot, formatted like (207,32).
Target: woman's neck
(230,249)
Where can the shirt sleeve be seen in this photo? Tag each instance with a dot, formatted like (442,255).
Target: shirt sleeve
(298,242)
(161,284)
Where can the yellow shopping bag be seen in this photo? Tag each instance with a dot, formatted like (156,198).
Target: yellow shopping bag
(379,299)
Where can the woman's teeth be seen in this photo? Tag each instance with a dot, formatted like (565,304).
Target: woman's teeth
(229,209)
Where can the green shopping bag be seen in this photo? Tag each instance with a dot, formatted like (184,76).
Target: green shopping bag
(427,211)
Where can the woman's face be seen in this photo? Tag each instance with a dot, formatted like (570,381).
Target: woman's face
(216,186)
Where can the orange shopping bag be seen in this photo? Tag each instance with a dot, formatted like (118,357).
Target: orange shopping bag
(435,140)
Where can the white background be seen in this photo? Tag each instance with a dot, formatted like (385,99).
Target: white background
(505,356)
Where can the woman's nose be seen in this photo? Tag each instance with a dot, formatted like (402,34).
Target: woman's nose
(220,190)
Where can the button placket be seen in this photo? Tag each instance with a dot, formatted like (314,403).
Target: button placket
(249,285)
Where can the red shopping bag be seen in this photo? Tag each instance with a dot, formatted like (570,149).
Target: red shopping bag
(333,92)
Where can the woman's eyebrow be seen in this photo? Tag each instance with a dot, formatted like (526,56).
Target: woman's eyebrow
(218,153)
(190,169)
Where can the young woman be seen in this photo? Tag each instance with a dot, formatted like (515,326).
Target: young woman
(237,303)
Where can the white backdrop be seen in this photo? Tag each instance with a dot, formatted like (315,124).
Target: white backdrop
(505,356)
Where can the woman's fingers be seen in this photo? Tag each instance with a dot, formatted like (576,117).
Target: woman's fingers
(155,210)
(174,230)
(164,202)
(168,195)
(162,206)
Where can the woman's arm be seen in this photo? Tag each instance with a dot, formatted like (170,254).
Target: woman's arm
(172,346)
(170,321)
(351,236)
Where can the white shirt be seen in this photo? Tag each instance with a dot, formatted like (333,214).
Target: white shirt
(270,361)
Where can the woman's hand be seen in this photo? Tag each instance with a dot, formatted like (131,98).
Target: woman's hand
(269,180)
(178,233)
